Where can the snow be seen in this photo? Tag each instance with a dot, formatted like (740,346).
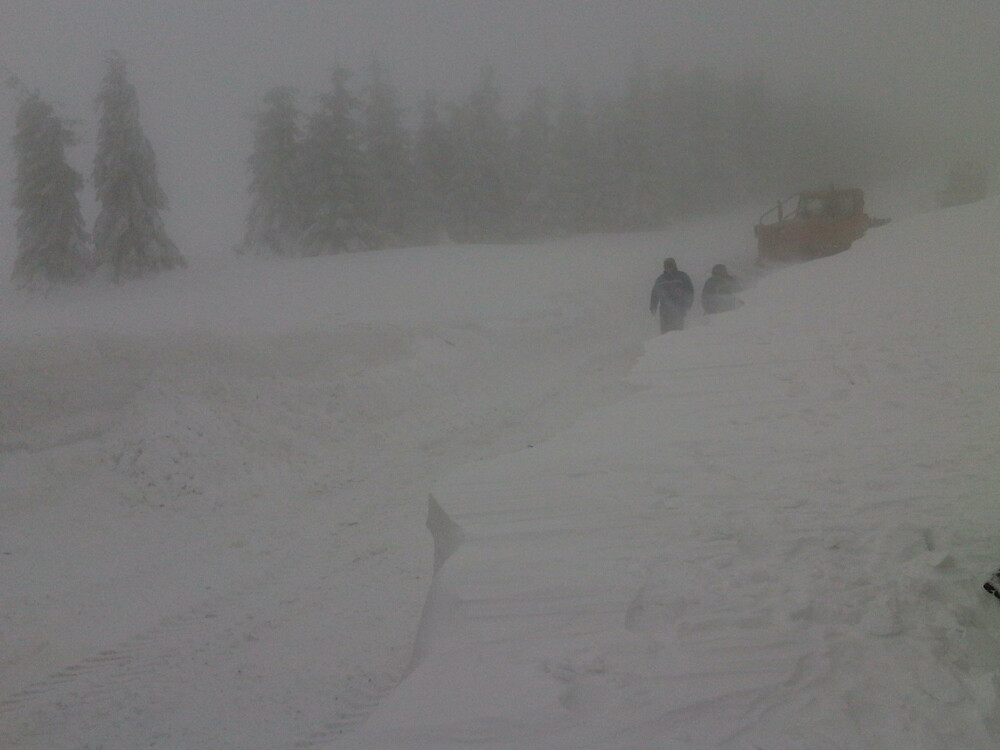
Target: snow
(465,497)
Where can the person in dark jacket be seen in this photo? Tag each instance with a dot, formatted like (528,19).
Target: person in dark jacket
(993,585)
(673,295)
(720,290)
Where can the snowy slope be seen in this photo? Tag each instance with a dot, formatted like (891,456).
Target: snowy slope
(777,543)
(215,481)
(770,526)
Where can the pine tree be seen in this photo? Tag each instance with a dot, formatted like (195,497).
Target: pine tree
(570,184)
(532,162)
(52,241)
(336,175)
(434,161)
(635,188)
(388,153)
(275,221)
(756,138)
(712,140)
(483,166)
(129,233)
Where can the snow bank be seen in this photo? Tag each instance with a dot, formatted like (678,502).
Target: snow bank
(778,542)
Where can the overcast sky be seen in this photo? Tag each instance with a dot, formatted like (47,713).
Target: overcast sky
(199,64)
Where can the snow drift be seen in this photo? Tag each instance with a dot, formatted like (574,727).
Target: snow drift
(778,542)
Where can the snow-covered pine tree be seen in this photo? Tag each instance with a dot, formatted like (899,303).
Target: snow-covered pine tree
(129,233)
(336,174)
(51,238)
(275,221)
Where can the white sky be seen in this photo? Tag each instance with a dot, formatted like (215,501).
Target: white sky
(198,64)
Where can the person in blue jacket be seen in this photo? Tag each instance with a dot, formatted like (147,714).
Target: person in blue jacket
(673,295)
(719,293)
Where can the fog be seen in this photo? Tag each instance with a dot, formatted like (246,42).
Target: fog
(927,69)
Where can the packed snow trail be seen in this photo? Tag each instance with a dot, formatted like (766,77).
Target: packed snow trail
(215,481)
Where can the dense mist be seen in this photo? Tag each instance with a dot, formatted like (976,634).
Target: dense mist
(920,74)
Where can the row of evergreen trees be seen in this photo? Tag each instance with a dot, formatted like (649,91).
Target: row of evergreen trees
(349,174)
(128,234)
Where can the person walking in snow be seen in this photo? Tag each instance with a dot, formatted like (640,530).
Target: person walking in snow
(720,290)
(673,295)
(993,585)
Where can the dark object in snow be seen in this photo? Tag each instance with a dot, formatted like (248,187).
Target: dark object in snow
(52,244)
(993,585)
(129,235)
(812,224)
(719,293)
(673,295)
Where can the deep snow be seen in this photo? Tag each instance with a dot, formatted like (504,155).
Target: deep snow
(768,530)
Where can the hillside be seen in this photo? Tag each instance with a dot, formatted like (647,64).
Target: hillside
(770,529)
